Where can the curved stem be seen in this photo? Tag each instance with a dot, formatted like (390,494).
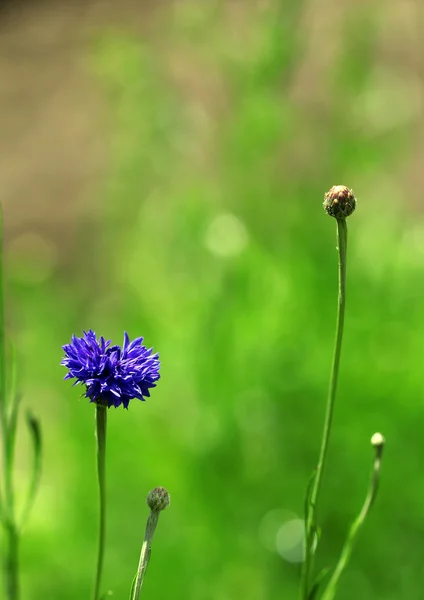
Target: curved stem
(331,588)
(145,554)
(310,525)
(101,422)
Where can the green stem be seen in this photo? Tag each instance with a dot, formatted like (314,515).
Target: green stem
(7,497)
(14,400)
(3,409)
(12,562)
(311,524)
(7,500)
(331,588)
(101,422)
(145,554)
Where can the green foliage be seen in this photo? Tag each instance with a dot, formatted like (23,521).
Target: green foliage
(203,123)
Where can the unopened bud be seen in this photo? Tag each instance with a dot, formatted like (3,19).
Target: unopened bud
(339,202)
(158,499)
(378,440)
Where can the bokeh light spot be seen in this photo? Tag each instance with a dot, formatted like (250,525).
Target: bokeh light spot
(290,540)
(226,235)
(271,525)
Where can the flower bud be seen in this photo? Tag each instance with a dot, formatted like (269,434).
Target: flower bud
(339,202)
(158,499)
(378,440)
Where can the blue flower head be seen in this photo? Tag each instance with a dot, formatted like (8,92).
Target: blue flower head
(112,375)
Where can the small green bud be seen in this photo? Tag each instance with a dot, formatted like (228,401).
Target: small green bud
(339,202)
(158,499)
(378,440)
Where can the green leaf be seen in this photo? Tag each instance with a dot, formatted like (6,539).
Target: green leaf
(35,433)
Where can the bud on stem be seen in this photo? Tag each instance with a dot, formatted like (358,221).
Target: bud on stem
(157,499)
(377,441)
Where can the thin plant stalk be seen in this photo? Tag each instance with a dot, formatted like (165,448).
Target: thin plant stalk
(101,426)
(331,588)
(9,410)
(311,521)
(145,554)
(157,499)
(12,531)
(7,499)
(3,405)
(12,562)
(6,494)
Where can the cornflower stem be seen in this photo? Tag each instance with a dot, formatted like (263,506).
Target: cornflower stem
(12,562)
(101,426)
(316,487)
(152,521)
(12,530)
(7,507)
(3,406)
(331,588)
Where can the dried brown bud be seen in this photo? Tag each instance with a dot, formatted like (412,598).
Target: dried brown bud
(158,499)
(339,202)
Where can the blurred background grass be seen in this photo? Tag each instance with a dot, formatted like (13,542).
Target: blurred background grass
(163,168)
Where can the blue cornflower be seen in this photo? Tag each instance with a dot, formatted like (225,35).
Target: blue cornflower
(112,375)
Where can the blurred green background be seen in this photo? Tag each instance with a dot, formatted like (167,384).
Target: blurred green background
(163,169)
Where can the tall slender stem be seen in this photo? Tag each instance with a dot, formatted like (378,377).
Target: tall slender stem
(145,553)
(7,485)
(12,531)
(3,408)
(8,436)
(101,423)
(12,562)
(310,525)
